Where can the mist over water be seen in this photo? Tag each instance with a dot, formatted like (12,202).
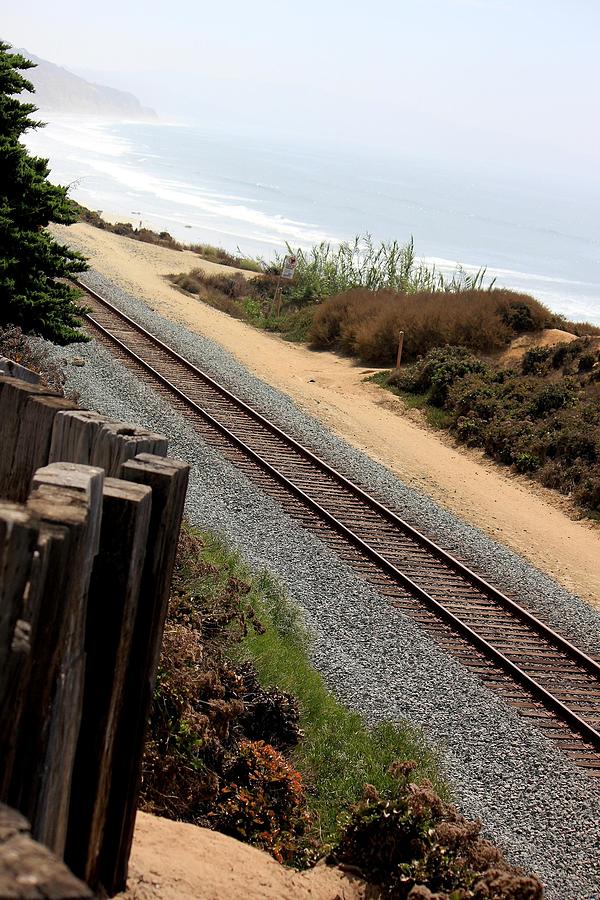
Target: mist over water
(254,194)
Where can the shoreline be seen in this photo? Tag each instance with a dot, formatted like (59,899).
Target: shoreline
(536,523)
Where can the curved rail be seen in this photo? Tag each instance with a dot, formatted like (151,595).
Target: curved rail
(584,728)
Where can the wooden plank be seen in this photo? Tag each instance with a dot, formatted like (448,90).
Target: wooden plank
(32,448)
(74,434)
(168,479)
(14,396)
(65,496)
(18,539)
(87,437)
(116,442)
(15,370)
(112,606)
(29,871)
(48,630)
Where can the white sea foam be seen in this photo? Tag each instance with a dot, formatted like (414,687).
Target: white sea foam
(119,173)
(89,134)
(273,228)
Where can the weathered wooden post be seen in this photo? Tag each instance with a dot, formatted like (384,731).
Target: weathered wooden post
(400,346)
(18,538)
(28,870)
(14,398)
(168,479)
(67,498)
(32,448)
(112,607)
(87,437)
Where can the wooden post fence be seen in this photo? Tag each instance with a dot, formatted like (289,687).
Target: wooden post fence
(86,560)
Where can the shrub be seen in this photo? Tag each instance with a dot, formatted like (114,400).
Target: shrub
(438,372)
(204,711)
(551,397)
(541,423)
(411,843)
(366,324)
(327,270)
(536,361)
(262,801)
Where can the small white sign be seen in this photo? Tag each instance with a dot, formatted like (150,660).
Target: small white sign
(289,266)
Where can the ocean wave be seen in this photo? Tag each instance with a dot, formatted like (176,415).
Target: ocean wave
(215,206)
(81,134)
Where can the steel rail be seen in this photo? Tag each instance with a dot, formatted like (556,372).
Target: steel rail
(541,693)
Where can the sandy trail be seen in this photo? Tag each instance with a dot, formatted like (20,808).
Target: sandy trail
(535,522)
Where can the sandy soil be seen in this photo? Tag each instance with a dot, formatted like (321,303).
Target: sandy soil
(533,521)
(177,861)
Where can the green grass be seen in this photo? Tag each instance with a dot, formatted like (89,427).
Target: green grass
(339,753)
(224,258)
(434,416)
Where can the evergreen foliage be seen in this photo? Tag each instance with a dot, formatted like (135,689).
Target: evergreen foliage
(31,261)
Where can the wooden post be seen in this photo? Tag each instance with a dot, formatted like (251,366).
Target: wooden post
(69,497)
(112,607)
(15,370)
(116,442)
(73,436)
(18,538)
(32,448)
(276,305)
(400,346)
(92,439)
(14,397)
(168,479)
(29,871)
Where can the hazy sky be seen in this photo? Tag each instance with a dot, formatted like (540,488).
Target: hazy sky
(484,81)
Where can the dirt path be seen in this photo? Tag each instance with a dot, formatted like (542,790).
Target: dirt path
(535,522)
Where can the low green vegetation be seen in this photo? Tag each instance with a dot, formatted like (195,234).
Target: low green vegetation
(540,416)
(243,731)
(338,753)
(245,738)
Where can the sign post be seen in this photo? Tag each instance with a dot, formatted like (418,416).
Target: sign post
(287,271)
(400,346)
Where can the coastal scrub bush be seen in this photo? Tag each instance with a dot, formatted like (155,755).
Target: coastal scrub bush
(262,801)
(202,712)
(33,291)
(437,373)
(543,419)
(366,324)
(412,844)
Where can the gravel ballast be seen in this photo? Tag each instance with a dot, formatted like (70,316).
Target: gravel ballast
(534,803)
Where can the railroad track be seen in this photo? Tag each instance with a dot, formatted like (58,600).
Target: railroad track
(544,676)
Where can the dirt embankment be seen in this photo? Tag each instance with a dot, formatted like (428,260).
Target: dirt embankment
(533,521)
(177,861)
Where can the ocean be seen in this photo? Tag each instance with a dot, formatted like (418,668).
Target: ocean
(256,194)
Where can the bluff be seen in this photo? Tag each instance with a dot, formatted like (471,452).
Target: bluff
(58,90)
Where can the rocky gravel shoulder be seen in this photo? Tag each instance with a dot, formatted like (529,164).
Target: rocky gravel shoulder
(499,565)
(534,803)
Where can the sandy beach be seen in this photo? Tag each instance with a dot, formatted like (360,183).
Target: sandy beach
(539,524)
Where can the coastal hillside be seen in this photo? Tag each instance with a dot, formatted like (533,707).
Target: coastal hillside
(58,90)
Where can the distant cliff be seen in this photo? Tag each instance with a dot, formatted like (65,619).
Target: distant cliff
(58,90)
